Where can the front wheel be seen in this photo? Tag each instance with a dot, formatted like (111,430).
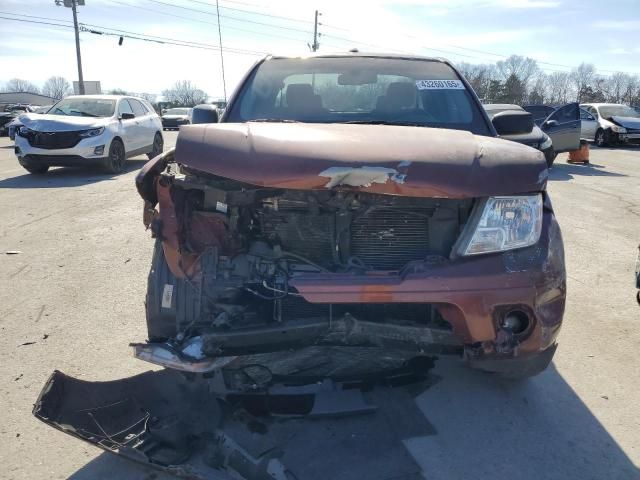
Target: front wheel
(158,146)
(602,138)
(550,156)
(114,163)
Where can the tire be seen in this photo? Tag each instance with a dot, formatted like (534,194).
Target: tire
(158,146)
(36,169)
(602,138)
(550,156)
(114,163)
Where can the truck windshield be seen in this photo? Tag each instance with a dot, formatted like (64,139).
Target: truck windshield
(358,90)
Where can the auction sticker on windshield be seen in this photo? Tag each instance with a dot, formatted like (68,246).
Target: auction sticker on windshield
(439,85)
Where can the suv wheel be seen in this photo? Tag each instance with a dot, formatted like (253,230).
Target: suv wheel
(115,161)
(158,146)
(602,138)
(36,169)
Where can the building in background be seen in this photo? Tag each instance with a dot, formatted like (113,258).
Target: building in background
(25,98)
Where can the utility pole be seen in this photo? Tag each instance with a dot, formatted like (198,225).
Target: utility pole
(315,45)
(73,4)
(75,28)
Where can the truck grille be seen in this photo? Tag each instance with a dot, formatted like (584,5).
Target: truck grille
(53,140)
(386,239)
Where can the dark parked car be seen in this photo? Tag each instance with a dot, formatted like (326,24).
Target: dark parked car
(539,112)
(9,114)
(344,203)
(559,132)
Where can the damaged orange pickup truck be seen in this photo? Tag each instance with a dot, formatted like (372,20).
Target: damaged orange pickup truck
(344,202)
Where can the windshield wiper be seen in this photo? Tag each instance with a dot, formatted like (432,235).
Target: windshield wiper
(60,110)
(274,120)
(85,114)
(384,122)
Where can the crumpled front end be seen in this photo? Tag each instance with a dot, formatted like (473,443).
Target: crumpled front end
(241,269)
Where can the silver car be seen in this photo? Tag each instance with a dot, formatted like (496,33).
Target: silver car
(610,124)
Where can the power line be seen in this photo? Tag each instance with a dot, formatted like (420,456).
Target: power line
(35,21)
(229,17)
(254,12)
(141,36)
(215,24)
(336,37)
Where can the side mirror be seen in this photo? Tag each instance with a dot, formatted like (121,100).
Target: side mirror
(511,122)
(127,116)
(551,123)
(204,114)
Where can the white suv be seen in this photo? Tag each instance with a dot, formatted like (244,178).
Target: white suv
(89,129)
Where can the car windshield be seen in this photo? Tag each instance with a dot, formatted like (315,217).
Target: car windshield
(177,111)
(84,107)
(618,111)
(358,90)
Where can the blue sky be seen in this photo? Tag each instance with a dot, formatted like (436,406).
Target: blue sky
(560,33)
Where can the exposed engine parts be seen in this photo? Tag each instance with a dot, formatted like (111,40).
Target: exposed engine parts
(247,246)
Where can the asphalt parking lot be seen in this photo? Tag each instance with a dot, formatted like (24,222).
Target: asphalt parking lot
(72,299)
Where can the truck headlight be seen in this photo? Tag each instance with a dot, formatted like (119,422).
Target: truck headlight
(94,132)
(618,129)
(506,223)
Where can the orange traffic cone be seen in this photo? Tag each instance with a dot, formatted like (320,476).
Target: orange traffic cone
(581,155)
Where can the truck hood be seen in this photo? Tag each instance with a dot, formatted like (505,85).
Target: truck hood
(60,123)
(396,160)
(626,122)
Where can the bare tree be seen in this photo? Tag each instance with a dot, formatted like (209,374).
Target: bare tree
(185,94)
(479,76)
(524,68)
(615,86)
(631,93)
(557,87)
(56,87)
(149,97)
(582,79)
(20,85)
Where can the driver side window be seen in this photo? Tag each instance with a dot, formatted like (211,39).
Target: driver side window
(124,107)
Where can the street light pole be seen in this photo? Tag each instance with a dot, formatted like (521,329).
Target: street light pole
(75,27)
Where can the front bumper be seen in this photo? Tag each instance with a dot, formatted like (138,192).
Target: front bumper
(84,153)
(630,138)
(174,123)
(472,294)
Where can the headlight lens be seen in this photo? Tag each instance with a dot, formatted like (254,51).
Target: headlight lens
(618,129)
(94,132)
(506,223)
(23,131)
(546,143)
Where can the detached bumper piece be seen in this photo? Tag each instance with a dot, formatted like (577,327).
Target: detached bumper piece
(155,418)
(212,427)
